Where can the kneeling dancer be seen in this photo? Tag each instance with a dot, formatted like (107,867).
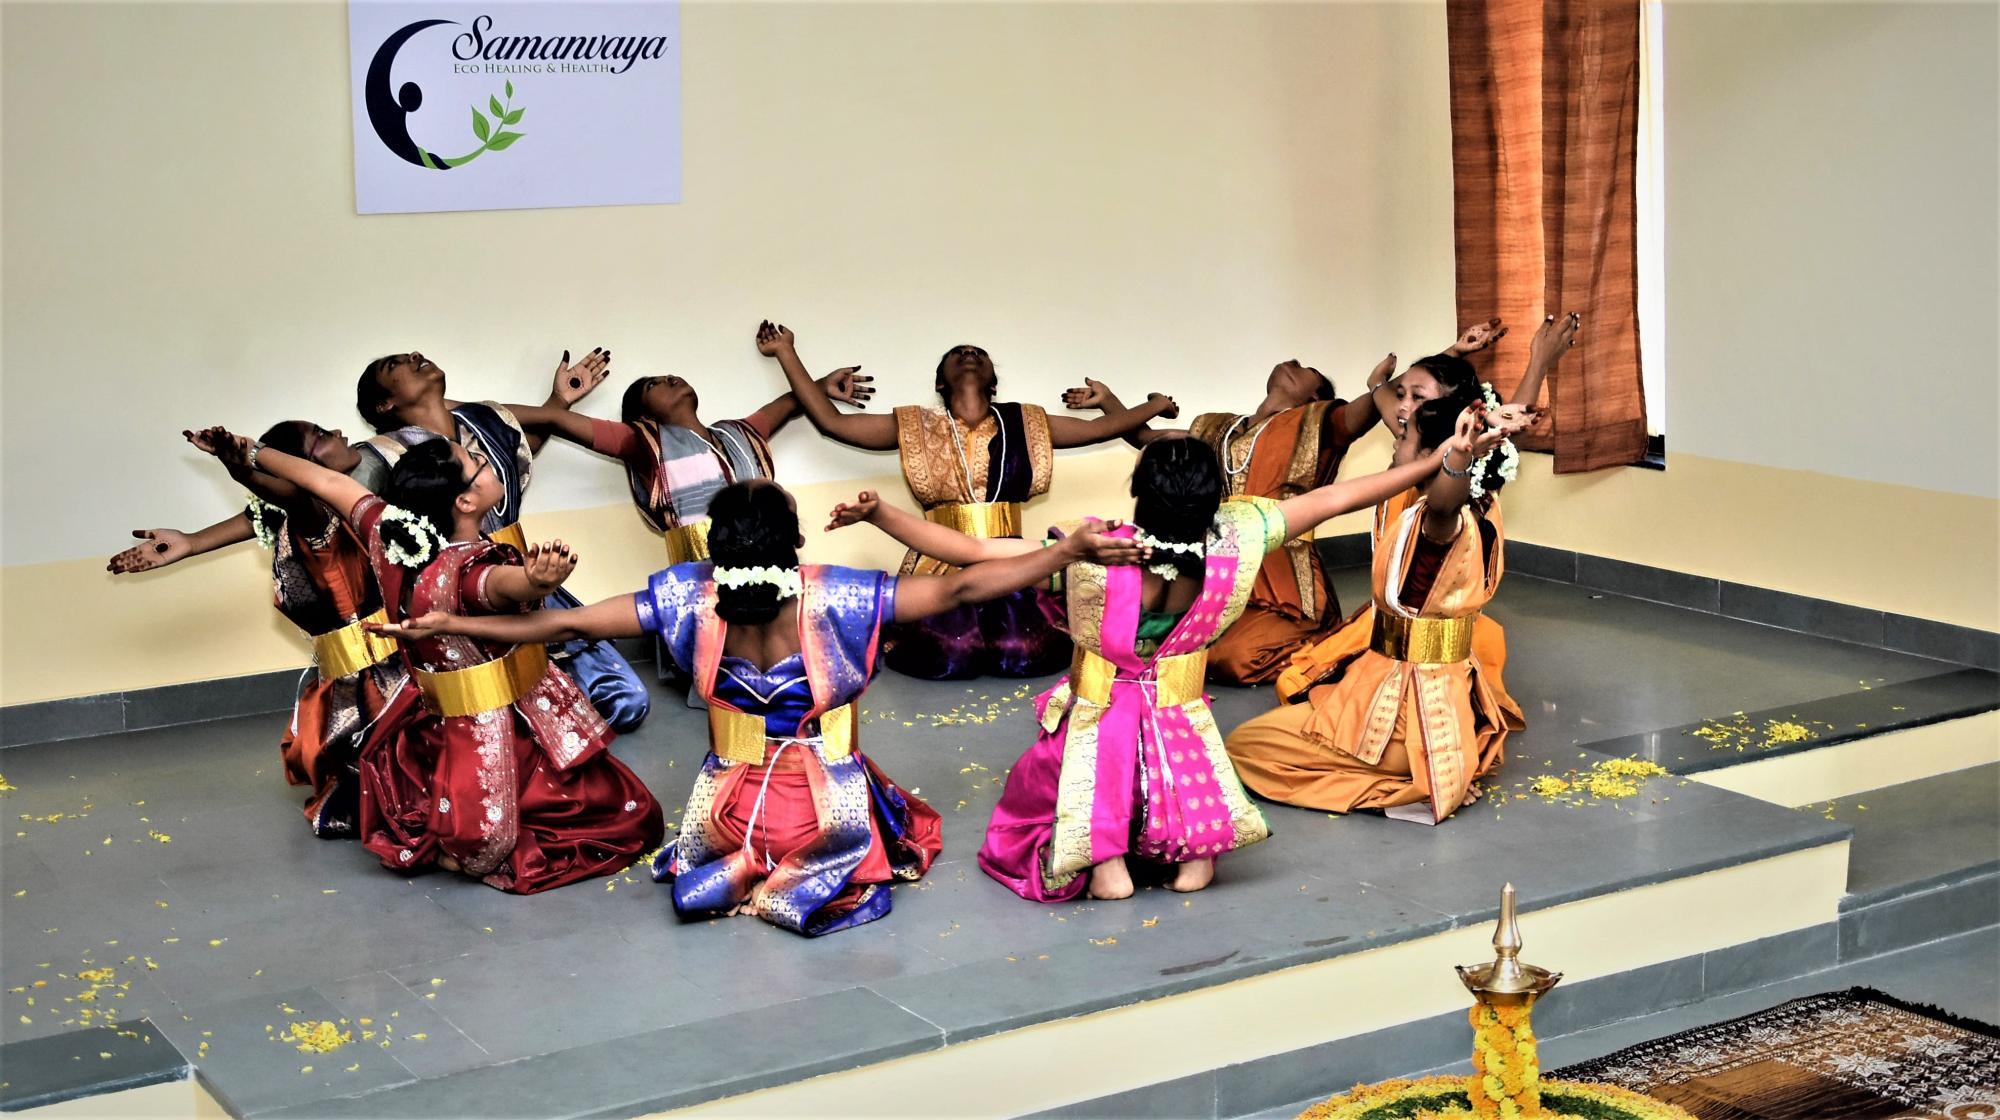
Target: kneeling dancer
(496,765)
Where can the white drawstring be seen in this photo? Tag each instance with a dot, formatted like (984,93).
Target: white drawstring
(757,810)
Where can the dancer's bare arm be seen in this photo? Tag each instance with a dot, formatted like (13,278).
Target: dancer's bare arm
(870,432)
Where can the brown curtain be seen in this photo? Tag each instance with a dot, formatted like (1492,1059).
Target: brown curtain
(1544,128)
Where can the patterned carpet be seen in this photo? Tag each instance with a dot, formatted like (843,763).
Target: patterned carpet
(1854,1055)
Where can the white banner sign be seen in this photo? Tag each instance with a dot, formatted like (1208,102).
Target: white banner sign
(494,106)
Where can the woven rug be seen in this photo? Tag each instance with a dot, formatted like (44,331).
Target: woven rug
(1853,1055)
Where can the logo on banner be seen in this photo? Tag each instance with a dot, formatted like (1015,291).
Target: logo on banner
(391,114)
(498,54)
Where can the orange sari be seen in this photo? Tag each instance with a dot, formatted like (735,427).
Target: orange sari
(1402,704)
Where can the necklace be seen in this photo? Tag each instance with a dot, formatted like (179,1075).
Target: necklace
(1230,433)
(965,457)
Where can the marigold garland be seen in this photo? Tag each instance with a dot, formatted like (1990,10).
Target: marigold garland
(1440,1098)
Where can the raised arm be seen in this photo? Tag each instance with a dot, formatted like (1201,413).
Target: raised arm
(170,546)
(1552,341)
(928,537)
(571,384)
(845,384)
(921,596)
(1098,395)
(337,490)
(1361,413)
(870,433)
(542,571)
(616,617)
(548,420)
(1452,489)
(1070,431)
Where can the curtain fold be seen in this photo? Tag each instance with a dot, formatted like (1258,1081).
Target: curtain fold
(1544,123)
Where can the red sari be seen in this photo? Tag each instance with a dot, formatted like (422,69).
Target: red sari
(524,794)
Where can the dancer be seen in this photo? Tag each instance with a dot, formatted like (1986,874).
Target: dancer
(495,765)
(321,583)
(1405,705)
(1128,761)
(1293,441)
(788,820)
(402,397)
(970,462)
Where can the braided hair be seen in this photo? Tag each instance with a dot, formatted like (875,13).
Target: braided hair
(1176,489)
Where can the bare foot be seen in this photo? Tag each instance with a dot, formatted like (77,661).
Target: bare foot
(448,863)
(1111,879)
(1193,876)
(1473,793)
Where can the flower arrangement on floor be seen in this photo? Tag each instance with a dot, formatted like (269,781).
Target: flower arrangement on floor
(1439,1098)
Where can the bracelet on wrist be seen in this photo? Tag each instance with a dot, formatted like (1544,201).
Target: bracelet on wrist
(1444,463)
(254,449)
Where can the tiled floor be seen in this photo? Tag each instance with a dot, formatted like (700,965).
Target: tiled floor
(181,860)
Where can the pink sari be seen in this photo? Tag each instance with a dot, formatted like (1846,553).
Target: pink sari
(1129,760)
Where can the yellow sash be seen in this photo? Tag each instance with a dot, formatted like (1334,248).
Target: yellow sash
(485,687)
(1178,678)
(740,737)
(687,542)
(1425,641)
(510,534)
(350,649)
(984,520)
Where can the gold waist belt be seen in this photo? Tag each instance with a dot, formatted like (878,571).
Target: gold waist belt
(1177,679)
(978,519)
(740,737)
(483,688)
(1426,641)
(510,534)
(350,649)
(687,542)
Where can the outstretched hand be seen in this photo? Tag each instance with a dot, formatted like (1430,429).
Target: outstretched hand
(850,513)
(1094,394)
(1554,339)
(427,626)
(846,385)
(1478,337)
(549,564)
(574,382)
(1510,419)
(773,339)
(221,443)
(1091,539)
(1472,437)
(162,547)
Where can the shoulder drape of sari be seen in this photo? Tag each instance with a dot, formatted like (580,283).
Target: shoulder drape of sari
(1009,454)
(678,476)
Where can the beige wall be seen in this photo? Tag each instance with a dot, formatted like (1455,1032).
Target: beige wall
(1165,196)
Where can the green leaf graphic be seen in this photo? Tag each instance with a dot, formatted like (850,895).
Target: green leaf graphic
(479,126)
(493,103)
(513,117)
(501,141)
(510,91)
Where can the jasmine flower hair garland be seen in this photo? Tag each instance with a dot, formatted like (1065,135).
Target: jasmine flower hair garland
(788,581)
(1168,571)
(264,520)
(1510,456)
(415,541)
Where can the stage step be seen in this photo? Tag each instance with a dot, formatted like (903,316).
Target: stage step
(1924,862)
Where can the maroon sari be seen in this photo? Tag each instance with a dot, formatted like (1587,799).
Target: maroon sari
(524,796)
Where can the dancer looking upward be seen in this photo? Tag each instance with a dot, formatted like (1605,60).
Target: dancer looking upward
(1405,705)
(971,462)
(403,397)
(495,765)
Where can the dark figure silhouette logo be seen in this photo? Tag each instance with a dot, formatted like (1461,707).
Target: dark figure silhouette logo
(390,114)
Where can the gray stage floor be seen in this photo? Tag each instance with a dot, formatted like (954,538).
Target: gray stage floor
(180,860)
